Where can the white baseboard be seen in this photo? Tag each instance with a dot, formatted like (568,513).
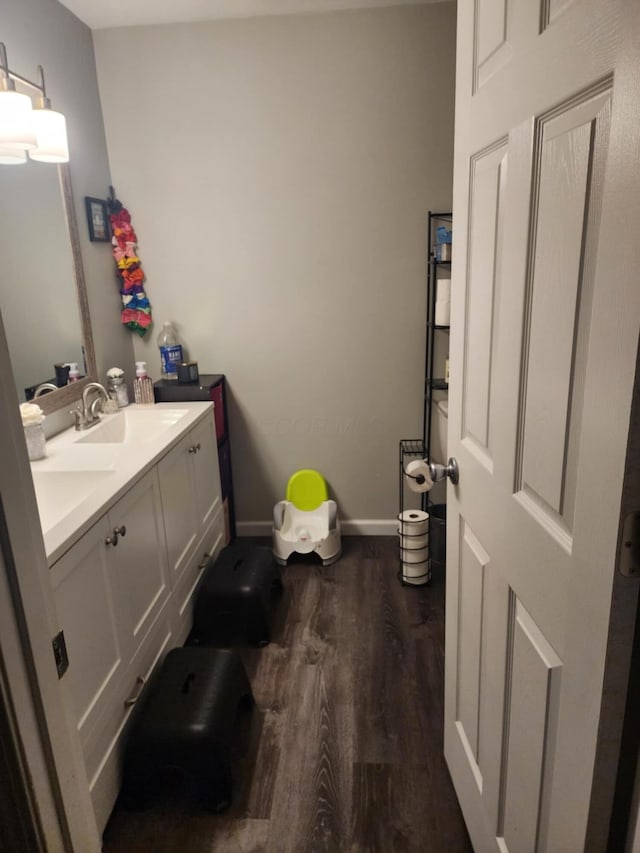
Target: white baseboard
(352,527)
(369,527)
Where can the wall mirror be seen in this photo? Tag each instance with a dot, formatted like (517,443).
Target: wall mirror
(43,297)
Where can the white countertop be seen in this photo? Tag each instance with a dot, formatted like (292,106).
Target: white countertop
(85,472)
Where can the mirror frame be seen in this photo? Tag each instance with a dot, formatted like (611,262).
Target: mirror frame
(67,396)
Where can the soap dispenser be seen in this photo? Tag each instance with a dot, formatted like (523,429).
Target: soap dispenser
(143,386)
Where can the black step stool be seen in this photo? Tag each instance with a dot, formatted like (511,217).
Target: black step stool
(187,724)
(235,597)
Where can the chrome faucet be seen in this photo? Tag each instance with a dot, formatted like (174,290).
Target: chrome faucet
(43,388)
(87,415)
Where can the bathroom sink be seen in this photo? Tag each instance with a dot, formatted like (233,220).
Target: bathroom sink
(59,492)
(133,426)
(73,458)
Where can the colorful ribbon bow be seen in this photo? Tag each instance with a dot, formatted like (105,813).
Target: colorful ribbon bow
(136,310)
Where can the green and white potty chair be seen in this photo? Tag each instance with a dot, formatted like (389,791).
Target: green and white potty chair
(306,521)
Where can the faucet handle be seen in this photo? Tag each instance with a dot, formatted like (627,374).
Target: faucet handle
(79,417)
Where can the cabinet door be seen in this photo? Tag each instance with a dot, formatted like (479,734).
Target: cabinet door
(139,558)
(90,612)
(183,596)
(206,471)
(105,752)
(179,508)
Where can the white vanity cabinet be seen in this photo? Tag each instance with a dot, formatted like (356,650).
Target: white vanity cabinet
(109,590)
(123,593)
(194,522)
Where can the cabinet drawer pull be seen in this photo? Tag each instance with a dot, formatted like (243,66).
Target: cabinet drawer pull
(204,562)
(197,446)
(192,449)
(137,693)
(117,531)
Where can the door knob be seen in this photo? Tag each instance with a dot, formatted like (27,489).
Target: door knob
(440,472)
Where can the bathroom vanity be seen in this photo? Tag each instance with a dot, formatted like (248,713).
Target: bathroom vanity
(131,512)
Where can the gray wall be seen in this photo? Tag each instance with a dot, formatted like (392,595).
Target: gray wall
(42,32)
(279,172)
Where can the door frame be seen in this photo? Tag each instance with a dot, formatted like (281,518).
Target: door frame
(19,808)
(614,816)
(45,728)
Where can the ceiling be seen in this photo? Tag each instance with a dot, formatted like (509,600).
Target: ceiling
(127,13)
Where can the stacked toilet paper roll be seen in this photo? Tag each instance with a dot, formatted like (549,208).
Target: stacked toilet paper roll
(414,546)
(443,302)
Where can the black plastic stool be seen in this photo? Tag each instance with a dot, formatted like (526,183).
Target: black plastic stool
(187,724)
(234,600)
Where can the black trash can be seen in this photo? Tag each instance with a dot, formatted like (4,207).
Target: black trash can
(438,534)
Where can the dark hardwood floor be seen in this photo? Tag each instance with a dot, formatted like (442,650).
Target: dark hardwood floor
(343,752)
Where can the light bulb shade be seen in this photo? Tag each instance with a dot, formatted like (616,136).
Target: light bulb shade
(12,156)
(16,125)
(51,133)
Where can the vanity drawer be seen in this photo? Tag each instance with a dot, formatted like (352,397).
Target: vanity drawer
(183,596)
(104,752)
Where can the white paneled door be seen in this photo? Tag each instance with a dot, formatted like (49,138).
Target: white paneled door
(546,315)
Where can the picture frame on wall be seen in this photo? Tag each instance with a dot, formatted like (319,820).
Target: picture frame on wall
(97,220)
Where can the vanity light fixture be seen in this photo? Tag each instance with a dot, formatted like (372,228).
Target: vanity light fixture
(12,156)
(16,127)
(41,132)
(51,130)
